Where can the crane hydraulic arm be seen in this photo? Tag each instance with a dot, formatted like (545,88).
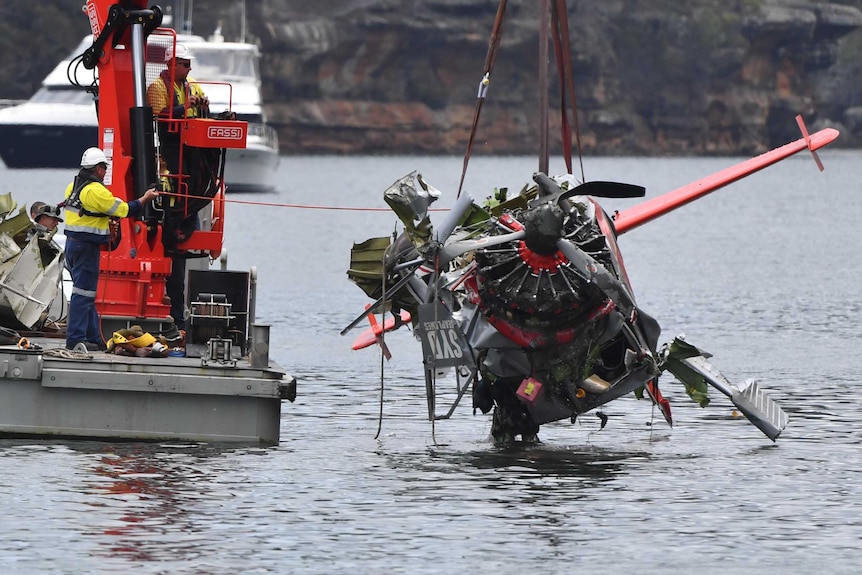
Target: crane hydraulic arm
(128,50)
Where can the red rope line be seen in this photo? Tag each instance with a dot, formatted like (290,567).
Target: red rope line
(296,206)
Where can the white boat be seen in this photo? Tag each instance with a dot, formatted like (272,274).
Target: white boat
(52,128)
(253,168)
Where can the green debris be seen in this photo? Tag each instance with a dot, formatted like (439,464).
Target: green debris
(695,384)
(366,265)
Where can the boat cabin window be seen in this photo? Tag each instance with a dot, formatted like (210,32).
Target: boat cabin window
(221,65)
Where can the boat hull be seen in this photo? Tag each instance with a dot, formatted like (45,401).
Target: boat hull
(251,169)
(135,399)
(27,146)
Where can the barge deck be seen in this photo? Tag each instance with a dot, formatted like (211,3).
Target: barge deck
(54,392)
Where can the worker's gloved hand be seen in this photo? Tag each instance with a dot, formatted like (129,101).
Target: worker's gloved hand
(114,227)
(201,104)
(149,195)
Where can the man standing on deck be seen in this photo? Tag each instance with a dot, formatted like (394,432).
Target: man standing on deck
(185,99)
(89,209)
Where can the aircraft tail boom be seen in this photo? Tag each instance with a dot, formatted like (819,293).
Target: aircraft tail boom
(640,214)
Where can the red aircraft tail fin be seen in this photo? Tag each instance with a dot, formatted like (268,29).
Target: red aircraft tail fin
(802,128)
(374,334)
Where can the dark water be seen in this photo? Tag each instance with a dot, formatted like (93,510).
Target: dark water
(763,274)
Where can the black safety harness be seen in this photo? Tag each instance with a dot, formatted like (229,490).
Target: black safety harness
(73,202)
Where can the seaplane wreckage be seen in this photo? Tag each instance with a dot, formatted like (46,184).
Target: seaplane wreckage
(527,296)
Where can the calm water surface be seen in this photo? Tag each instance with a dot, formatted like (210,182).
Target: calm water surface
(763,274)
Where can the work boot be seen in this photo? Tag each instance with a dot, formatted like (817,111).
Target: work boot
(172,333)
(83,346)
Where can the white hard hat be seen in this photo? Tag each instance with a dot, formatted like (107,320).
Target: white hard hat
(183,53)
(93,157)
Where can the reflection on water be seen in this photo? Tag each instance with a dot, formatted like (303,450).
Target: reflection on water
(752,275)
(589,467)
(136,502)
(142,490)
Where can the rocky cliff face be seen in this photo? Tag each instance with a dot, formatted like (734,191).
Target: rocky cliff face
(651,77)
(401,76)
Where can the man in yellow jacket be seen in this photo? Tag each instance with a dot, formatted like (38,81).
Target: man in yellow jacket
(185,100)
(89,209)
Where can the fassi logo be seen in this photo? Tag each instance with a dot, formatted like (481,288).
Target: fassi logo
(224,133)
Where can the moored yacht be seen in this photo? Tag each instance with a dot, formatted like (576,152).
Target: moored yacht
(216,62)
(51,128)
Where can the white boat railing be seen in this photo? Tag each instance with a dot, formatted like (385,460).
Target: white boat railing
(267,133)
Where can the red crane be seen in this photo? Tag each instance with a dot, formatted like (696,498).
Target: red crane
(129,51)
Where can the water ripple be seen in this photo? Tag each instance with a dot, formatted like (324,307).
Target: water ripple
(749,275)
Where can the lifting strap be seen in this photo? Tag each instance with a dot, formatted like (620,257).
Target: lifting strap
(490,58)
(563,53)
(563,49)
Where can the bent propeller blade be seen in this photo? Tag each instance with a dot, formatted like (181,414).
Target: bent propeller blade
(455,249)
(459,210)
(602,189)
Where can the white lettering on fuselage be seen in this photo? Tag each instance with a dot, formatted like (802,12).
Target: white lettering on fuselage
(443,339)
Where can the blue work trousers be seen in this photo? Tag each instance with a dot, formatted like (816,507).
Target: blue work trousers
(82,259)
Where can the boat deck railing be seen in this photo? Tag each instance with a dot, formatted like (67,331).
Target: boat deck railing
(267,133)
